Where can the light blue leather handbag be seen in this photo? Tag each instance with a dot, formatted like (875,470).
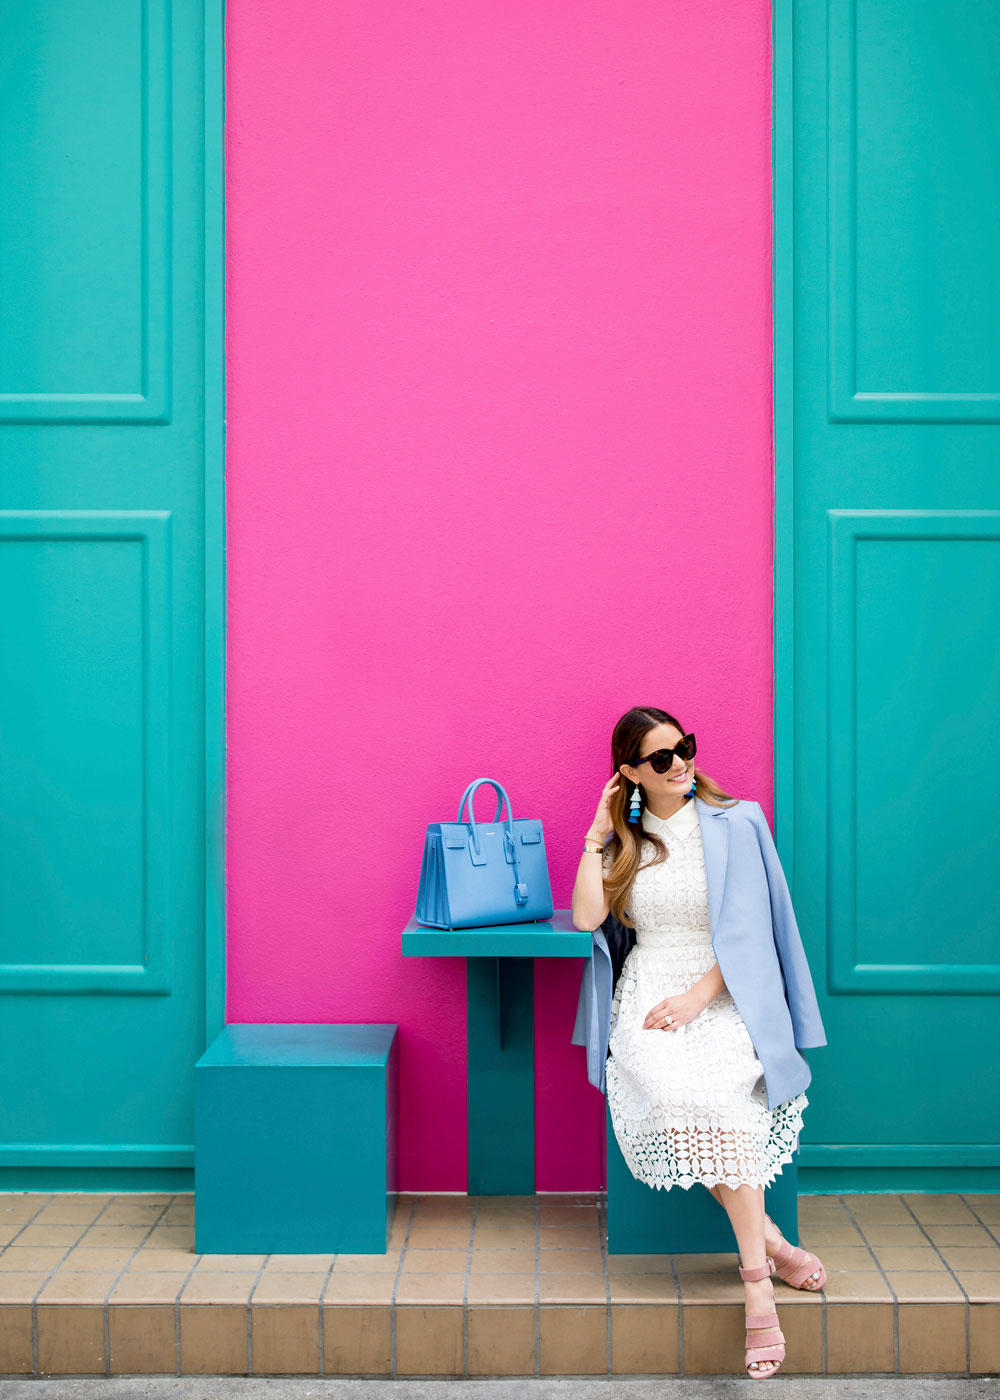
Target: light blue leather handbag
(483,873)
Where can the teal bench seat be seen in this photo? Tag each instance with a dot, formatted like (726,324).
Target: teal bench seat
(296,1139)
(646,1219)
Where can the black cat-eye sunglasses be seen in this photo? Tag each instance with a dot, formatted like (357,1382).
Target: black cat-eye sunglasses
(662,759)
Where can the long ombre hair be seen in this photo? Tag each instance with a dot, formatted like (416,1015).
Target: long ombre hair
(625,842)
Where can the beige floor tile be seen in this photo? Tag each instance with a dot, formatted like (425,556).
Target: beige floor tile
(357,1341)
(987,1208)
(30,1258)
(713,1340)
(984,1338)
(582,1237)
(67,1287)
(159,1287)
(642,1288)
(496,1237)
(291,1286)
(440,1237)
(228,1263)
(980,1287)
(72,1209)
(20,1287)
(503,1261)
(859,1287)
(16,1351)
(884,1208)
(368,1263)
(836,1257)
(350,1287)
(921,1257)
(143,1339)
(967,1236)
(704,1263)
(55,1235)
(859,1337)
(133,1213)
(919,1287)
(501,1341)
(706,1287)
(302,1263)
(218,1287)
(285,1340)
(147,1261)
(940,1210)
(70,1339)
(572,1288)
(168,1237)
(21,1208)
(506,1205)
(816,1237)
(573,1341)
(958,1256)
(501,1288)
(644,1339)
(567,1217)
(429,1288)
(214,1340)
(429,1341)
(932,1337)
(127,1237)
(639,1263)
(570,1261)
(879,1232)
(434,1261)
(100,1261)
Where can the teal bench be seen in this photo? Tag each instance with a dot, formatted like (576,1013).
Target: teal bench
(648,1220)
(296,1139)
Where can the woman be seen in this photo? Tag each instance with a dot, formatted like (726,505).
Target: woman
(697,1060)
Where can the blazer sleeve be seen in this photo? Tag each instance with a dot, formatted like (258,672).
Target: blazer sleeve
(807,1023)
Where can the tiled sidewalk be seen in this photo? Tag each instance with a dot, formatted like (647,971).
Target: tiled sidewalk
(487,1286)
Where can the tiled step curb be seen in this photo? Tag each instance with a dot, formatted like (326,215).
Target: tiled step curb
(487,1287)
(460,1341)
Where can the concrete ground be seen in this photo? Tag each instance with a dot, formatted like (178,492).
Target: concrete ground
(559,1388)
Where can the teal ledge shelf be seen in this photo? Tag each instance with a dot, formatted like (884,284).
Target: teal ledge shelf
(546,938)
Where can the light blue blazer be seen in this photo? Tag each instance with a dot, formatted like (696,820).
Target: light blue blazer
(757,946)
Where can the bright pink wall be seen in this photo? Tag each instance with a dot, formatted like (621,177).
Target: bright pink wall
(499,467)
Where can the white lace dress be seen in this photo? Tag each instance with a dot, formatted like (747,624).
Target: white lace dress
(687,1105)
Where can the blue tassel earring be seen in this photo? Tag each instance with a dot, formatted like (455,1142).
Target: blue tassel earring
(633,814)
(691,790)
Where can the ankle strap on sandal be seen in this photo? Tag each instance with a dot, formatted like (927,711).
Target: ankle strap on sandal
(759,1271)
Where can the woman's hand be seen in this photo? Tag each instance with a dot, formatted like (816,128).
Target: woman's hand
(602,826)
(681,1009)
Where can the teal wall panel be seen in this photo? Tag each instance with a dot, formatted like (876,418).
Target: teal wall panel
(111,587)
(887,575)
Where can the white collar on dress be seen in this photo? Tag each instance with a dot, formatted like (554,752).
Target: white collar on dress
(683,821)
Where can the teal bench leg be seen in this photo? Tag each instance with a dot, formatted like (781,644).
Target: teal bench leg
(501,1076)
(644,1220)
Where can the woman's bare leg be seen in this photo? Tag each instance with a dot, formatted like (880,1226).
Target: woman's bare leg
(745,1208)
(772,1235)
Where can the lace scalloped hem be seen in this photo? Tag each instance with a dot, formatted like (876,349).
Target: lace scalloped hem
(665,1172)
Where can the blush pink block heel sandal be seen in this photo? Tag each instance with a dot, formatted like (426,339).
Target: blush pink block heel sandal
(768,1345)
(796,1266)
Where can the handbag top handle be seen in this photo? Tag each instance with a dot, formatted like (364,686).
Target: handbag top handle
(520,888)
(469,793)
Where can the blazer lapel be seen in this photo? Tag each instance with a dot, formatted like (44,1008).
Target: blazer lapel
(714,823)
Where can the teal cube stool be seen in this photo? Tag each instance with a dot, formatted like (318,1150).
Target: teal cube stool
(296,1139)
(648,1220)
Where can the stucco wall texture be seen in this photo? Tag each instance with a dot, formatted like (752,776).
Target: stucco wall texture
(499,467)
